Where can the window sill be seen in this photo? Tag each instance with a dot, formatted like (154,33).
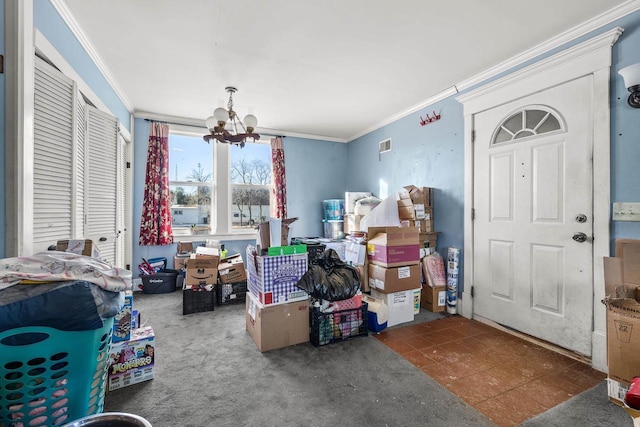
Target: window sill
(244,235)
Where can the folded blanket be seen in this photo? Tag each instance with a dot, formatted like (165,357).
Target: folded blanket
(55,266)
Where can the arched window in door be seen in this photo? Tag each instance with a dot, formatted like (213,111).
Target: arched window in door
(529,121)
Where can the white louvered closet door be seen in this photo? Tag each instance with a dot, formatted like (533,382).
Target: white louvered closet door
(121,200)
(79,168)
(54,163)
(101,182)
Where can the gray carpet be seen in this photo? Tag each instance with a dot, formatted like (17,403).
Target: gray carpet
(209,372)
(591,408)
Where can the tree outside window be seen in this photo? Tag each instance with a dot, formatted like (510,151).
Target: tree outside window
(250,176)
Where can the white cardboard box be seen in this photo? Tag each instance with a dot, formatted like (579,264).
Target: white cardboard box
(400,305)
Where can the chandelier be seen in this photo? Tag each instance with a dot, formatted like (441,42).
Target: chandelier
(224,126)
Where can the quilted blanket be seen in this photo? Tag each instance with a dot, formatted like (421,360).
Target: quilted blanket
(55,266)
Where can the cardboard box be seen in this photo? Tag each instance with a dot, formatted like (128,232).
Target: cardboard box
(273,279)
(393,246)
(425,225)
(616,391)
(428,240)
(201,270)
(277,326)
(84,247)
(232,270)
(180,261)
(264,233)
(400,305)
(433,299)
(394,279)
(203,250)
(420,195)
(132,362)
(185,247)
(122,321)
(405,208)
(622,276)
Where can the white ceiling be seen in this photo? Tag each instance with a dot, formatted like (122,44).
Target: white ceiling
(329,68)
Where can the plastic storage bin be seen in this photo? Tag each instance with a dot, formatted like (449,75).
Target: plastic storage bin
(49,377)
(333,209)
(327,328)
(162,282)
(333,229)
(197,299)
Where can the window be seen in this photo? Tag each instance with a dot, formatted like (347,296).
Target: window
(217,188)
(527,122)
(250,176)
(191,184)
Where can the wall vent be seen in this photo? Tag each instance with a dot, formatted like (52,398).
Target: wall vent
(384,146)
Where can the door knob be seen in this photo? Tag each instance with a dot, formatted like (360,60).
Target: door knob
(580,237)
(581,218)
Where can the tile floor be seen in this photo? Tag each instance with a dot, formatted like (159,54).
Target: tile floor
(491,370)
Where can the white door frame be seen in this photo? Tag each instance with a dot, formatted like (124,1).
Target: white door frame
(593,57)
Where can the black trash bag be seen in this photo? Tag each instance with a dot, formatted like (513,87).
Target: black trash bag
(330,279)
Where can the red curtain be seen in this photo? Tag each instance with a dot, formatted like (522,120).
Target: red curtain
(279,209)
(155,224)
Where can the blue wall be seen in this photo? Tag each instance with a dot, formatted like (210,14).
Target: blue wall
(316,171)
(3,98)
(625,129)
(425,156)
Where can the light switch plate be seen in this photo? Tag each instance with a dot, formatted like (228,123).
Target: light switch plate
(626,211)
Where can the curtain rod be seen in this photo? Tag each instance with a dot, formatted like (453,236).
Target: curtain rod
(169,123)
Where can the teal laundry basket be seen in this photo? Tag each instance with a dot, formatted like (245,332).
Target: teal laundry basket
(49,377)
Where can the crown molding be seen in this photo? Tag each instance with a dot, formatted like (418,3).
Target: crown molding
(553,43)
(580,50)
(65,13)
(540,49)
(429,101)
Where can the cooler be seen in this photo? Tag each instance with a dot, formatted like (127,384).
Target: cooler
(378,313)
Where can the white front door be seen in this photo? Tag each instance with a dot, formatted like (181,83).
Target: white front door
(532,194)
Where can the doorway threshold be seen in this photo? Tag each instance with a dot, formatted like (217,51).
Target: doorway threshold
(542,343)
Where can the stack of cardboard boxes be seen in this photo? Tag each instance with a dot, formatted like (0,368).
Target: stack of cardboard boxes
(394,270)
(622,287)
(277,311)
(132,350)
(415,208)
(201,278)
(232,280)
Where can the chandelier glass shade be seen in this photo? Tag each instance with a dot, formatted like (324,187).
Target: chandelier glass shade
(225,126)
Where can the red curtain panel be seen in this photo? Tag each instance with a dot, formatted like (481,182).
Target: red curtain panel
(279,181)
(155,224)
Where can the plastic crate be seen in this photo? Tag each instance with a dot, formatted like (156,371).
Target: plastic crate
(231,293)
(327,328)
(49,377)
(197,299)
